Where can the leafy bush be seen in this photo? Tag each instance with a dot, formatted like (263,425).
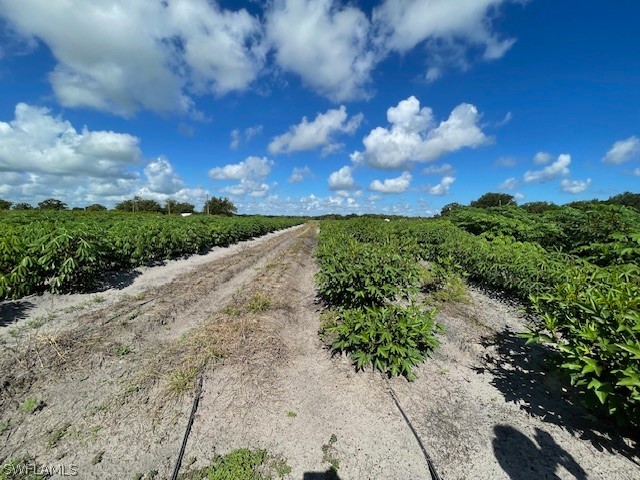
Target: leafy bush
(390,338)
(357,274)
(593,319)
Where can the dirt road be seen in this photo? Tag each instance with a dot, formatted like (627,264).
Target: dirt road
(104,382)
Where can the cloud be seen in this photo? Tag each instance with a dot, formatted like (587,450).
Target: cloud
(623,151)
(413,136)
(235,139)
(328,45)
(251,167)
(542,158)
(137,54)
(392,185)
(509,184)
(37,142)
(443,187)
(447,30)
(342,179)
(636,172)
(237,136)
(43,156)
(159,55)
(558,168)
(444,169)
(507,118)
(251,173)
(574,186)
(298,174)
(506,162)
(161,177)
(318,133)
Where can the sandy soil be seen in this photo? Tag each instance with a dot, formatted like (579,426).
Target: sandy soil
(111,376)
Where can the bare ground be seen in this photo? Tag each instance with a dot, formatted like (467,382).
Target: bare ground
(111,378)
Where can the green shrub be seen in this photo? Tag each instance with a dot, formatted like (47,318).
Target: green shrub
(391,338)
(593,319)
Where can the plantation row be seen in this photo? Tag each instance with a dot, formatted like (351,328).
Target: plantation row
(62,251)
(589,313)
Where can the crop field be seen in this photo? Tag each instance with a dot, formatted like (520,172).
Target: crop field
(470,344)
(64,250)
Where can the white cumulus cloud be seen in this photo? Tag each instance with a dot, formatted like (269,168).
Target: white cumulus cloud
(558,168)
(251,173)
(446,29)
(298,174)
(574,186)
(35,141)
(623,151)
(392,185)
(318,133)
(140,54)
(342,179)
(542,158)
(413,136)
(327,44)
(442,188)
(509,184)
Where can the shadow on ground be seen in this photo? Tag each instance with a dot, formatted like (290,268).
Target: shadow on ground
(525,375)
(115,280)
(12,311)
(523,459)
(330,474)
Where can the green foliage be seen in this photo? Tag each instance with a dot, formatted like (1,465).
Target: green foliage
(5,204)
(138,204)
(22,206)
(391,338)
(243,464)
(63,251)
(52,204)
(219,206)
(593,319)
(493,200)
(96,207)
(174,207)
(358,271)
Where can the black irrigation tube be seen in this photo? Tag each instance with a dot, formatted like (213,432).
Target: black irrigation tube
(427,457)
(194,407)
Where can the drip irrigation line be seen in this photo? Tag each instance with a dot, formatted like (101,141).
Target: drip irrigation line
(194,407)
(427,457)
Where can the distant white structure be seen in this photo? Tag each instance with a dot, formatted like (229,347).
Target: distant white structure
(387,220)
(185,214)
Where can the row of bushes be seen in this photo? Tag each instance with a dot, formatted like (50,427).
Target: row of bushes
(369,278)
(60,251)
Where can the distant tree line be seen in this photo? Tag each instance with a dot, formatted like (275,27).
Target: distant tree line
(213,206)
(492,199)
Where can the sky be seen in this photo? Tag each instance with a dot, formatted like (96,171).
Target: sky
(308,107)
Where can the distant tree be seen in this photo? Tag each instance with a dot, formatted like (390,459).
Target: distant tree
(5,204)
(96,207)
(138,204)
(52,204)
(450,207)
(494,200)
(627,198)
(219,206)
(77,209)
(539,207)
(173,206)
(22,206)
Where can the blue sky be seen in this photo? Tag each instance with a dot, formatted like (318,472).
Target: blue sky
(316,106)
